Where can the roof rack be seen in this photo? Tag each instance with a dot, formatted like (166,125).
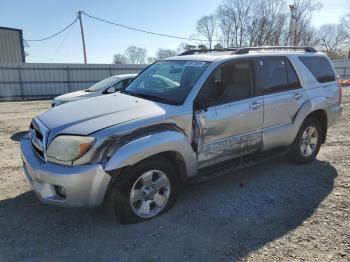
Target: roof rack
(245,50)
(200,51)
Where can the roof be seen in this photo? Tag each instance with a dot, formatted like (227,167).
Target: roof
(198,57)
(124,76)
(9,28)
(215,54)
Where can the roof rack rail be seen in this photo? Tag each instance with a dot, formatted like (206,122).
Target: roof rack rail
(245,50)
(201,51)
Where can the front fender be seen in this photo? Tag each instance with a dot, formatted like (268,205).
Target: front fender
(152,144)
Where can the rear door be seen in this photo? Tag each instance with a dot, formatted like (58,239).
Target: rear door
(283,96)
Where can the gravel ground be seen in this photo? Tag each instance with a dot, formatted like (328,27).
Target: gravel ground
(270,212)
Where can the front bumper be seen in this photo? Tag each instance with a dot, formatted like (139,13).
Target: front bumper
(85,185)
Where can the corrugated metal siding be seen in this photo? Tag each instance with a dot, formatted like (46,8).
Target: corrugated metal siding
(10,45)
(27,81)
(343,68)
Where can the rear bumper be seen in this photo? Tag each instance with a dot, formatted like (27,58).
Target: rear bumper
(85,185)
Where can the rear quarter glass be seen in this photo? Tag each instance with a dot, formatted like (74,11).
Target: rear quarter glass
(320,68)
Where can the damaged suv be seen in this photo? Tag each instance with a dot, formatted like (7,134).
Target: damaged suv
(180,120)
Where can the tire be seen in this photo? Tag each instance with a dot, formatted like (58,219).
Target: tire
(137,190)
(299,152)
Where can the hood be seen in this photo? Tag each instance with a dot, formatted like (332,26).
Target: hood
(90,115)
(76,96)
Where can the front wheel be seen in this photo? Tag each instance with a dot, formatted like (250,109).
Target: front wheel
(307,142)
(144,191)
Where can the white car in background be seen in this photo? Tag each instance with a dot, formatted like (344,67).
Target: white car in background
(109,85)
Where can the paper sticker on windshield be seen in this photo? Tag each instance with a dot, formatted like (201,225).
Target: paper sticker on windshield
(195,63)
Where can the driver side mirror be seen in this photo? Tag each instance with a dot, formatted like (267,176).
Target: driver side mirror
(111,90)
(201,103)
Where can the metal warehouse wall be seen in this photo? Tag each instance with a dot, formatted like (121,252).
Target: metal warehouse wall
(30,81)
(343,68)
(11,45)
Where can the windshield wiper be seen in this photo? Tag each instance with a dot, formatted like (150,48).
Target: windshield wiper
(88,90)
(128,92)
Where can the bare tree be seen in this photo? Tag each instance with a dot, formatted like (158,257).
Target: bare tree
(333,39)
(207,27)
(165,53)
(185,47)
(119,59)
(345,22)
(299,22)
(234,20)
(136,55)
(267,23)
(202,47)
(151,60)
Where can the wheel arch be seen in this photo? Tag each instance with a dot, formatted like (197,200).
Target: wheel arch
(321,116)
(314,107)
(170,144)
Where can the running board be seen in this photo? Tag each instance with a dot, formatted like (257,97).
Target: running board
(207,173)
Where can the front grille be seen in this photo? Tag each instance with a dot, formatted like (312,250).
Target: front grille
(38,135)
(38,138)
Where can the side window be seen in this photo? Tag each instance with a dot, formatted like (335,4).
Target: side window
(274,74)
(119,86)
(320,68)
(125,83)
(230,82)
(293,79)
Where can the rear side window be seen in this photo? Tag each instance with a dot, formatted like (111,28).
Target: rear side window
(320,68)
(278,75)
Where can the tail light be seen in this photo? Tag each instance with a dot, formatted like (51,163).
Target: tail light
(340,91)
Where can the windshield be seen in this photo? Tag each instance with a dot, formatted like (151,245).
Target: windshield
(103,84)
(167,81)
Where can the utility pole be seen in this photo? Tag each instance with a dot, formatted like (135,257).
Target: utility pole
(82,35)
(292,26)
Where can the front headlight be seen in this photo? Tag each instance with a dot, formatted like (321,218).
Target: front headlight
(69,148)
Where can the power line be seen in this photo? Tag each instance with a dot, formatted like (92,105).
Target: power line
(60,45)
(51,36)
(144,31)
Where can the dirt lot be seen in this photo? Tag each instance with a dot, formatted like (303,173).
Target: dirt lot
(271,212)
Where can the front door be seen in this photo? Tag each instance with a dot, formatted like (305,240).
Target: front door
(229,120)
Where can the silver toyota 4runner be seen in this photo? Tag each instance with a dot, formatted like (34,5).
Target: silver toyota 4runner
(180,120)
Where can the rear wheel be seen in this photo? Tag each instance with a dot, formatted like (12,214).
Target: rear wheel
(144,191)
(307,142)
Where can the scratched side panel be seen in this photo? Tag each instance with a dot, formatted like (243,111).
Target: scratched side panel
(218,151)
(230,148)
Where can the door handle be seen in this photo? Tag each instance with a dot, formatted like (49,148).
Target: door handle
(297,96)
(255,105)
